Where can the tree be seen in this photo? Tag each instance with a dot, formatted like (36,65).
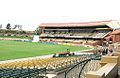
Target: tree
(18,26)
(8,26)
(15,26)
(38,31)
(0,26)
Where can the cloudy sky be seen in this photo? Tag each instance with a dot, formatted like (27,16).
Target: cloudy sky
(31,13)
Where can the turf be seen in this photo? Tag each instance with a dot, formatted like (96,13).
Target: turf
(15,49)
(22,37)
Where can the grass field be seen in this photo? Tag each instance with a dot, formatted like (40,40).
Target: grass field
(22,37)
(15,49)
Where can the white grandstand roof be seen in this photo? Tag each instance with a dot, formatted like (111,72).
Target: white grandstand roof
(76,24)
(111,23)
(114,25)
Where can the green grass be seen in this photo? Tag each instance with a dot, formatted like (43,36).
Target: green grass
(14,49)
(22,37)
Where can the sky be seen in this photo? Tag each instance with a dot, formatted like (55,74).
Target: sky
(31,13)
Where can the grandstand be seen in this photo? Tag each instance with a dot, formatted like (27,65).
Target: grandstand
(89,33)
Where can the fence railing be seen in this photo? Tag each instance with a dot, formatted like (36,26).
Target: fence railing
(79,70)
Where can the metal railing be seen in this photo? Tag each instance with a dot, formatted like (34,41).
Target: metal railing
(78,70)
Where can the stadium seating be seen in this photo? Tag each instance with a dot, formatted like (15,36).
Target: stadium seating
(80,33)
(38,66)
(21,73)
(49,63)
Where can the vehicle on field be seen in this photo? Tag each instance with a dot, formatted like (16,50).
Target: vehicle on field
(64,54)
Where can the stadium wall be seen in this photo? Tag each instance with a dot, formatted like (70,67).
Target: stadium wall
(109,66)
(116,38)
